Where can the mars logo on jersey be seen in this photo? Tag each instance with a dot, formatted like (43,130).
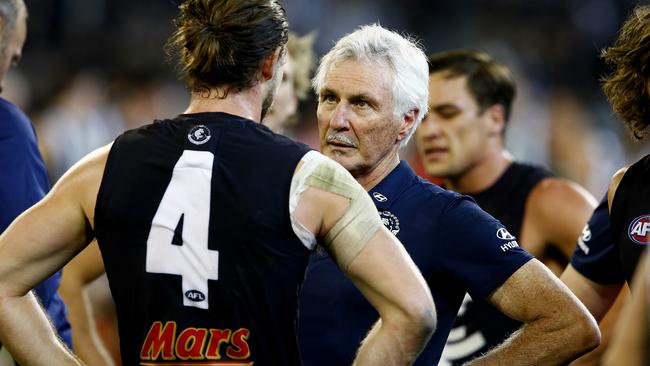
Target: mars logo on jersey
(165,345)
(639,230)
(199,135)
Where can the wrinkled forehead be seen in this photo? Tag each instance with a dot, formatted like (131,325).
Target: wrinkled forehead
(371,75)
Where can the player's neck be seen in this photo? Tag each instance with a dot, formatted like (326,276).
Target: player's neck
(482,175)
(246,103)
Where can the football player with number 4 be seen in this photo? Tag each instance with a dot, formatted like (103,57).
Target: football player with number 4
(204,258)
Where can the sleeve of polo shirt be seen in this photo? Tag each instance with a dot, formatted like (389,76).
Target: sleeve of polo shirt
(596,257)
(481,252)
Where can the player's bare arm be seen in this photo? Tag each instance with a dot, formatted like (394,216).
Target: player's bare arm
(596,297)
(629,344)
(556,212)
(30,253)
(557,326)
(79,273)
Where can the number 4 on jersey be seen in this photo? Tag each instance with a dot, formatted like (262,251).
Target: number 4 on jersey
(185,210)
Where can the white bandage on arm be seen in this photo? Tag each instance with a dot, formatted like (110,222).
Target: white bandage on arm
(355,227)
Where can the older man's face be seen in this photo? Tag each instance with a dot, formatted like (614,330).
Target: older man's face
(356,123)
(14,46)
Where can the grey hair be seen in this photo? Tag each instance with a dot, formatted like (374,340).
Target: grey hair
(9,10)
(402,54)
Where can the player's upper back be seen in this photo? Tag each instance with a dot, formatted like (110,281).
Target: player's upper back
(193,215)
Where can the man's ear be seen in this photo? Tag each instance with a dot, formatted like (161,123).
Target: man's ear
(408,122)
(497,115)
(270,65)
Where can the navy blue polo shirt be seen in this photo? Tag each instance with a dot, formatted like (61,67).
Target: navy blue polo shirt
(457,246)
(23,182)
(596,256)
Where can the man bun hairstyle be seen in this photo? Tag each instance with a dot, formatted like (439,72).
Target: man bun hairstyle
(223,43)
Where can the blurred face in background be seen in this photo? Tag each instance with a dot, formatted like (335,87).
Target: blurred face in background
(356,123)
(285,103)
(454,136)
(13,45)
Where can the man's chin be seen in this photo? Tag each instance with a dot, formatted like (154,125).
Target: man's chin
(338,156)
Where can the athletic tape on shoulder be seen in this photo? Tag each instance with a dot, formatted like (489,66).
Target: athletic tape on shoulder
(360,221)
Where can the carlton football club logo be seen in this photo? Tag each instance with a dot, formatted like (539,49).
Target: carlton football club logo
(199,135)
(639,230)
(390,221)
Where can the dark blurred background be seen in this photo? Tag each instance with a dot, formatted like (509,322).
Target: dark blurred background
(92,68)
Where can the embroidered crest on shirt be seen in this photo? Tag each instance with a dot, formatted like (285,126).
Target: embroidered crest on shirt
(199,135)
(391,222)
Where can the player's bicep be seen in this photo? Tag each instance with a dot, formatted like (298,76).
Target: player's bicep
(39,241)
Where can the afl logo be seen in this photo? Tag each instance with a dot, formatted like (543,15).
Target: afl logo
(502,233)
(390,221)
(199,135)
(379,197)
(639,230)
(195,295)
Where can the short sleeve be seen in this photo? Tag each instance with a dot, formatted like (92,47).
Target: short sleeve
(480,250)
(596,257)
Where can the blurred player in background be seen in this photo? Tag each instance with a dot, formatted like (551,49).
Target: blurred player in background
(461,140)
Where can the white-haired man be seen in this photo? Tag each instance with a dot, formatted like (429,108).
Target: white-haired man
(373,92)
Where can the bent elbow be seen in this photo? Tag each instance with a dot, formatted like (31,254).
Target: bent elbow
(421,315)
(586,334)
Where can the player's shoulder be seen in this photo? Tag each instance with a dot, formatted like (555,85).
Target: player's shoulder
(552,193)
(426,194)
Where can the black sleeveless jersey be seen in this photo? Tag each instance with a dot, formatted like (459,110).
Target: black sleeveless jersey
(630,215)
(479,326)
(192,219)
